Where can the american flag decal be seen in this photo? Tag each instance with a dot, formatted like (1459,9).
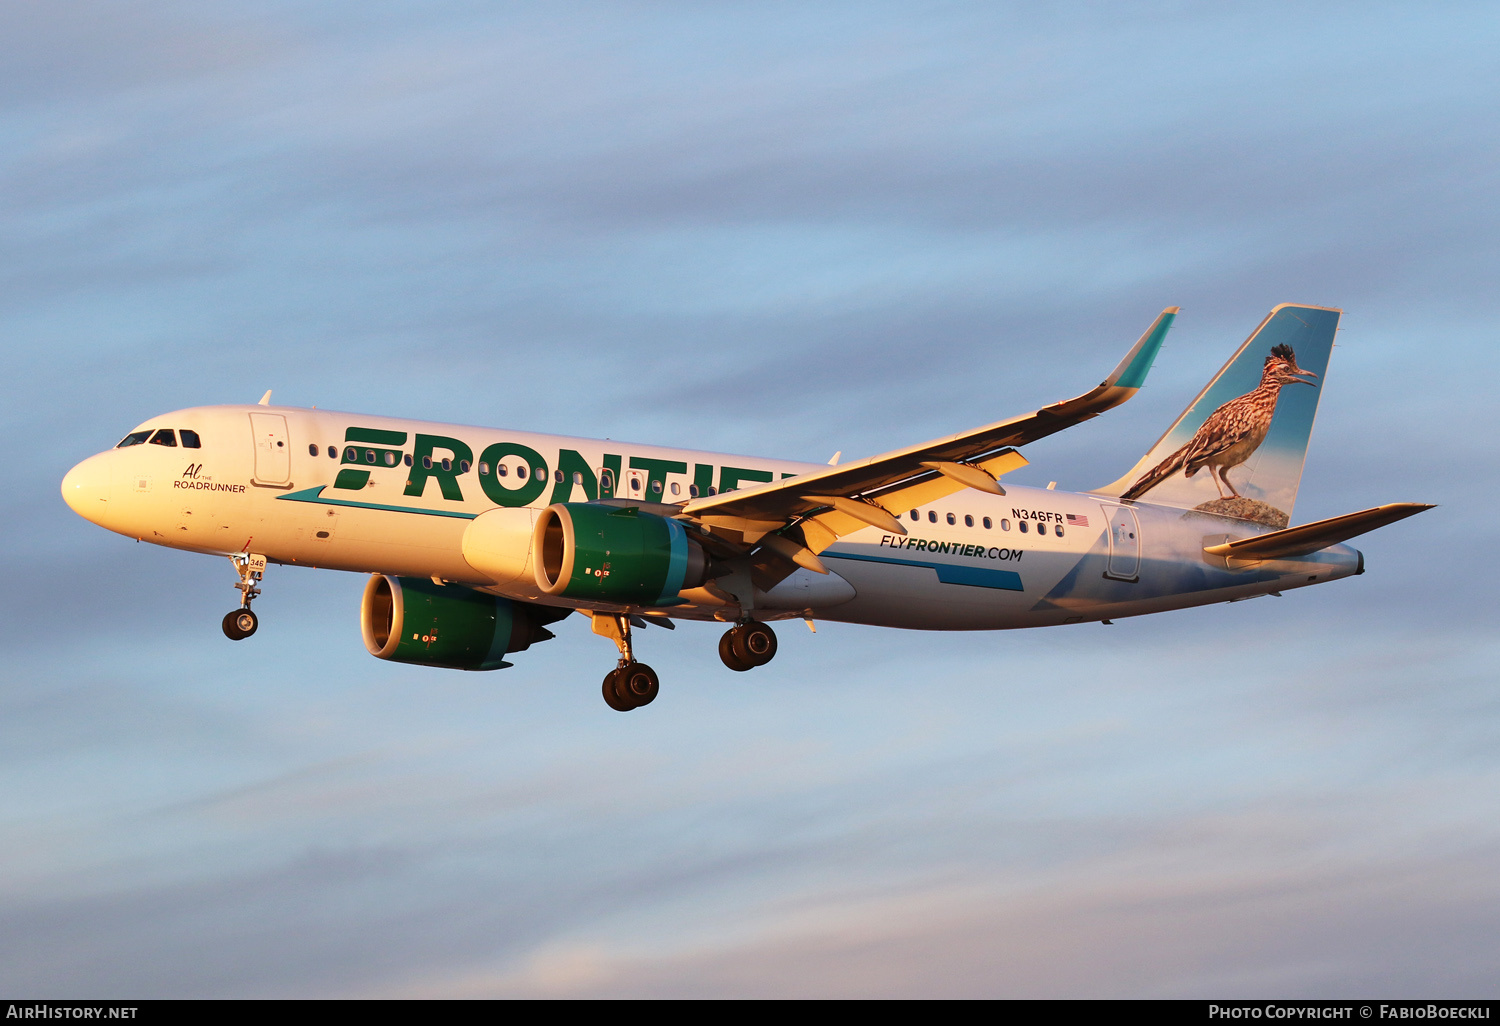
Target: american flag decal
(1076,521)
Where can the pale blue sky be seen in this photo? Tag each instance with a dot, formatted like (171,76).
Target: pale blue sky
(776,228)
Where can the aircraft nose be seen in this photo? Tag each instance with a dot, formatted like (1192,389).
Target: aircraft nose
(86,488)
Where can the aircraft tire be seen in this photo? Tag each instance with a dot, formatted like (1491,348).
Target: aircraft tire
(637,684)
(754,643)
(239,624)
(612,695)
(727,653)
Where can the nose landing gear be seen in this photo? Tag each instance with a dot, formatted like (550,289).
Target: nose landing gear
(240,623)
(747,645)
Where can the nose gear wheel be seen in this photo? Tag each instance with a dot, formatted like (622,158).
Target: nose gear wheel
(239,624)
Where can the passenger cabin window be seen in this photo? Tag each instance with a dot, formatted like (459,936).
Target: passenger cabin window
(1022,525)
(463,466)
(968,520)
(312,450)
(190,439)
(166,436)
(333,452)
(932,516)
(952,519)
(134,438)
(988,523)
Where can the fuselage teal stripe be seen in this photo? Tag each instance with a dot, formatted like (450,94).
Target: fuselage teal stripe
(948,573)
(316,495)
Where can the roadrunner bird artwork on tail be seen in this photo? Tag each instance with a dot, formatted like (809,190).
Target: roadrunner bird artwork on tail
(1246,422)
(1233,432)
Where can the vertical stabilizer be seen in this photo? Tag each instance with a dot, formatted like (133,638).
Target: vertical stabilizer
(1238,449)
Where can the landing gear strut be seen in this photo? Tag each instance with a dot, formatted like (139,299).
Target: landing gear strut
(630,684)
(747,645)
(241,623)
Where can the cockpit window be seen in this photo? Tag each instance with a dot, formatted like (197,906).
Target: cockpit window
(190,439)
(166,436)
(134,438)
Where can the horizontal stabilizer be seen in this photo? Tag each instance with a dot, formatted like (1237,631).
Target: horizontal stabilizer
(1299,541)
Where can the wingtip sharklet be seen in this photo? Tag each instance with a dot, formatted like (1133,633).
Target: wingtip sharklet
(1131,371)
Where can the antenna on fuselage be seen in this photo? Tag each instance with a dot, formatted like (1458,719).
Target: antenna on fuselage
(265,400)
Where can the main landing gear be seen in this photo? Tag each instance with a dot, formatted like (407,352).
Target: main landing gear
(747,645)
(629,685)
(241,623)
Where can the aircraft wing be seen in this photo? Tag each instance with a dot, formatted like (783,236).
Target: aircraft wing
(847,498)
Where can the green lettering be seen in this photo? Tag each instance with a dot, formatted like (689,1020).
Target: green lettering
(703,477)
(351,479)
(424,447)
(570,463)
(530,487)
(656,475)
(375,435)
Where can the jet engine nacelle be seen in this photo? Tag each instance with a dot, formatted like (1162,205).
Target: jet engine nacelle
(413,620)
(594,552)
(497,543)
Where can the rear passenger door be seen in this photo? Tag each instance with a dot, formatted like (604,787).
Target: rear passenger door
(1124,544)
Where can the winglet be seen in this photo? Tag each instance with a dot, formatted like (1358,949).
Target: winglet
(265,400)
(1132,371)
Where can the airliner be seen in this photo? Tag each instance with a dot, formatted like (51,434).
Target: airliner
(477,539)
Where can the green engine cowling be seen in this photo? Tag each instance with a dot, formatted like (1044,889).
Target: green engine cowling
(595,552)
(413,620)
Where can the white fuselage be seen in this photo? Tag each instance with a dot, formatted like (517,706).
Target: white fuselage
(335,490)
